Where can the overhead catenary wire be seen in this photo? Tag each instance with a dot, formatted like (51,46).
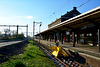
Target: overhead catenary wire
(83,4)
(68,2)
(59,9)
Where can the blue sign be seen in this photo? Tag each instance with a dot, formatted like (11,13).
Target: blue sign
(57,34)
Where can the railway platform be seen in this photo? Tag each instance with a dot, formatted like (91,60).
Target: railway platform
(90,53)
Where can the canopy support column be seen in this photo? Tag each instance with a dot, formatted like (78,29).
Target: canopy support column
(55,37)
(61,38)
(99,38)
(73,33)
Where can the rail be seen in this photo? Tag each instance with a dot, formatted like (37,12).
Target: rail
(65,62)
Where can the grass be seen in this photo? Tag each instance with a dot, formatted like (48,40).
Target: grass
(32,57)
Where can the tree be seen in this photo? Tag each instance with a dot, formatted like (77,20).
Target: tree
(21,36)
(0,35)
(6,32)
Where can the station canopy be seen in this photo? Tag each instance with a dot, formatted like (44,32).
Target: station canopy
(90,18)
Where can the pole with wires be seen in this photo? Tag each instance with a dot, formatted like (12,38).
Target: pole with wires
(39,33)
(33,29)
(39,30)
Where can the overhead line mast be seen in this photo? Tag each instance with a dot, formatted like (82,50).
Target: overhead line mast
(17,28)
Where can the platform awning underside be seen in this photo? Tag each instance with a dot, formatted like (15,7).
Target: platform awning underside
(88,19)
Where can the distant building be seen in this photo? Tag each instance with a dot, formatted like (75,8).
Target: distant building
(66,16)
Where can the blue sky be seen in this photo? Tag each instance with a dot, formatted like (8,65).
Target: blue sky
(23,12)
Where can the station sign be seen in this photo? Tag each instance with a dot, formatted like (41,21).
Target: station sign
(57,34)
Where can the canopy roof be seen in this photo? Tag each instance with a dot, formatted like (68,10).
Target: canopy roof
(89,18)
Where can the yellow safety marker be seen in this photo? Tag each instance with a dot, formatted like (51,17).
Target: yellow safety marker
(57,51)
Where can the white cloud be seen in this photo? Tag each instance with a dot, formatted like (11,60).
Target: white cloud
(29,17)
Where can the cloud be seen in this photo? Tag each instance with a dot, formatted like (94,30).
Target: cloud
(29,17)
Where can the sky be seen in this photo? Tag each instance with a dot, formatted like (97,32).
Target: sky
(23,12)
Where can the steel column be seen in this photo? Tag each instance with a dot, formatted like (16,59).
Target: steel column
(68,38)
(99,38)
(78,38)
(55,37)
(50,38)
(47,37)
(27,31)
(94,38)
(33,29)
(17,30)
(73,39)
(61,38)
(85,36)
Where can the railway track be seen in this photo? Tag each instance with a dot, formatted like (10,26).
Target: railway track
(62,61)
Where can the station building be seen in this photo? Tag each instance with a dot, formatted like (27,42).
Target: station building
(76,28)
(65,17)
